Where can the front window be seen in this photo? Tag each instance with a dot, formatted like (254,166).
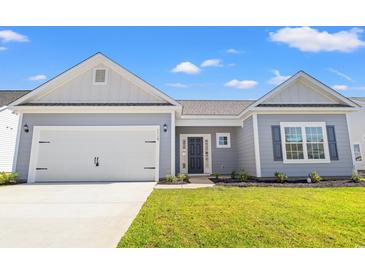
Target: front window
(304,142)
(223,140)
(357,153)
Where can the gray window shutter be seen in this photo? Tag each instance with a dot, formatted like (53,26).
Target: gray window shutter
(276,143)
(332,144)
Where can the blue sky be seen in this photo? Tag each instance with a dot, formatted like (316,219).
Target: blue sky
(191,62)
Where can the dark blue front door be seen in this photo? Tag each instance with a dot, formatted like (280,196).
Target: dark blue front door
(195,155)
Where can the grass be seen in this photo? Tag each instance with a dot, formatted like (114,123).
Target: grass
(250,217)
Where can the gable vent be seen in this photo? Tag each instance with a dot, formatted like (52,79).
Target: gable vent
(100,76)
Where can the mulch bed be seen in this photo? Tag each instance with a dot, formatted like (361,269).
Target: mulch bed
(163,182)
(296,183)
(11,184)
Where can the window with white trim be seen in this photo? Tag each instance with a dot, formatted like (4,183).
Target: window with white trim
(100,76)
(304,142)
(357,153)
(223,140)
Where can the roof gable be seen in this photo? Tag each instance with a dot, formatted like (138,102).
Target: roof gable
(76,86)
(303,89)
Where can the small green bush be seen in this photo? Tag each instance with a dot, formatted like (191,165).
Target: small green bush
(171,179)
(233,174)
(356,178)
(315,178)
(183,177)
(243,176)
(8,177)
(281,177)
(216,175)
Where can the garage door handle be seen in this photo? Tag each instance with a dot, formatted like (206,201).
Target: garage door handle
(96,161)
(149,167)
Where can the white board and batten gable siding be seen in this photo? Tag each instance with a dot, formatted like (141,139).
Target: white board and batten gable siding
(302,92)
(82,89)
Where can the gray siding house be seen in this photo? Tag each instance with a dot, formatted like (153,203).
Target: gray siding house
(99,122)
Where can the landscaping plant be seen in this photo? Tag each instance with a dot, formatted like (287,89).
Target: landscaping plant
(242,175)
(233,174)
(356,178)
(281,177)
(216,175)
(183,177)
(315,178)
(171,179)
(8,177)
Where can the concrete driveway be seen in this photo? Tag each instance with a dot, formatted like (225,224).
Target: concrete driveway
(68,214)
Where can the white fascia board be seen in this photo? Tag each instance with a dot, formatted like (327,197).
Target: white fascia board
(302,110)
(207,123)
(207,117)
(95,109)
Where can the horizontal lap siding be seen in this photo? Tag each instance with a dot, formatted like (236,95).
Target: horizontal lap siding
(246,148)
(342,167)
(94,120)
(224,160)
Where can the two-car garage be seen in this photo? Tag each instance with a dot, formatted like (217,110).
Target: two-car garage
(94,153)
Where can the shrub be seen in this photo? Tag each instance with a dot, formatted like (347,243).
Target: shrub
(183,177)
(281,177)
(315,178)
(8,177)
(242,175)
(356,178)
(233,174)
(171,179)
(216,175)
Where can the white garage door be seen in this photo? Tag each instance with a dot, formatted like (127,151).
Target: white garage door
(94,154)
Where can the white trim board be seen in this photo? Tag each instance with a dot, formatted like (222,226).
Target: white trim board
(256,145)
(38,129)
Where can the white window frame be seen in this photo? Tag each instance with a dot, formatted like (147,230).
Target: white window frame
(94,76)
(226,134)
(360,150)
(303,125)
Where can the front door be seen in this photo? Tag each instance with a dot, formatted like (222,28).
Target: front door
(195,155)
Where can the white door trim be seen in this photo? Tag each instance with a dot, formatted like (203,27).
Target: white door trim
(37,129)
(256,145)
(184,154)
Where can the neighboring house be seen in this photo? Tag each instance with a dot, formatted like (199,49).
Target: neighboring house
(357,132)
(99,122)
(8,128)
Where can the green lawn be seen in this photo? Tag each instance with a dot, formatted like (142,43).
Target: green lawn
(250,217)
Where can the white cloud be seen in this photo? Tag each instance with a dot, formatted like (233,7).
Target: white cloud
(232,65)
(340,87)
(38,77)
(12,36)
(177,85)
(232,51)
(341,74)
(311,40)
(3,48)
(186,67)
(278,78)
(243,84)
(211,63)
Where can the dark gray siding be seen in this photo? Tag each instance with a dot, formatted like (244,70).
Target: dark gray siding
(92,119)
(246,147)
(224,160)
(342,167)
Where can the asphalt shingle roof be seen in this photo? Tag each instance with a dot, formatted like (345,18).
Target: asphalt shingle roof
(214,107)
(8,96)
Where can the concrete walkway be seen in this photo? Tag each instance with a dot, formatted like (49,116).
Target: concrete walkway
(69,215)
(195,182)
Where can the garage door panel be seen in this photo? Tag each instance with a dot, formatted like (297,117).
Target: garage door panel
(122,155)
